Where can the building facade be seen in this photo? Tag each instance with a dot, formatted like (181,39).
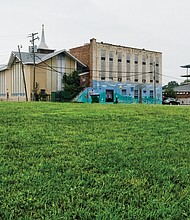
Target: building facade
(23,76)
(118,73)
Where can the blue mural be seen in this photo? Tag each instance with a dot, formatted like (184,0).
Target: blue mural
(113,92)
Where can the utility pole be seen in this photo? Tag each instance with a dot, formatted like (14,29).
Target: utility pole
(34,62)
(24,81)
(154,83)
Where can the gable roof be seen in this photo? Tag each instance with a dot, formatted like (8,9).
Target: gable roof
(3,67)
(183,88)
(27,58)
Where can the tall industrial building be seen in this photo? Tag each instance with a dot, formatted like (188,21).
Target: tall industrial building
(120,73)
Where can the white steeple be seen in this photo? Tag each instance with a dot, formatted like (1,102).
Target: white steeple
(43,44)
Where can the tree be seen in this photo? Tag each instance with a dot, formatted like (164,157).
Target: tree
(171,85)
(168,90)
(187,81)
(72,84)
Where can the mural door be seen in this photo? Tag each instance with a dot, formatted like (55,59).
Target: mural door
(109,96)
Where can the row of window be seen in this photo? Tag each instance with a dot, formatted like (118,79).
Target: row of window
(128,79)
(128,61)
(136,92)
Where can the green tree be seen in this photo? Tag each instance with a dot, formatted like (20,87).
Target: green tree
(187,81)
(168,90)
(72,84)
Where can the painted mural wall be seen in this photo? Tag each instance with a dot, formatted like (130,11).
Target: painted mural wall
(110,92)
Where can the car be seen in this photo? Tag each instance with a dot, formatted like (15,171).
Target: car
(170,101)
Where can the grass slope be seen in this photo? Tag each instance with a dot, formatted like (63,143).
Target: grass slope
(91,161)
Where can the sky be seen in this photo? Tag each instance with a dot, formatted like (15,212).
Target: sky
(153,25)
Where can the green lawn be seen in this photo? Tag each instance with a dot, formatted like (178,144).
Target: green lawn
(91,161)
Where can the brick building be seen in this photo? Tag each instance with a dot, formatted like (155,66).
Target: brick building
(128,74)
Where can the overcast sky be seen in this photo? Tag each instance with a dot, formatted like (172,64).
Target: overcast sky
(154,25)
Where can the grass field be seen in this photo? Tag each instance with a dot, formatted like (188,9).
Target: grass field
(91,161)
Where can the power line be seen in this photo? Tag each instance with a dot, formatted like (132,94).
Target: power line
(54,68)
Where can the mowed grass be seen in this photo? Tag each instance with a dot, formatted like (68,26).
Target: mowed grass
(91,161)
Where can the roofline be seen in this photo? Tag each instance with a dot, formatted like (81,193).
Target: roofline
(185,66)
(128,47)
(44,58)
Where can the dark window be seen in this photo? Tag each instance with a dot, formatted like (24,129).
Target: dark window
(136,94)
(143,63)
(128,61)
(119,79)
(119,60)
(136,80)
(151,64)
(136,62)
(128,79)
(151,93)
(110,59)
(143,80)
(124,91)
(103,78)
(151,80)
(157,64)
(157,81)
(110,78)
(103,58)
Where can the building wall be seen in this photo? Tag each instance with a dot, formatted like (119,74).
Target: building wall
(48,76)
(183,98)
(127,73)
(84,54)
(12,84)
(126,64)
(118,63)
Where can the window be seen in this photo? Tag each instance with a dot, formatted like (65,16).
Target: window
(2,84)
(136,94)
(111,65)
(128,67)
(151,93)
(143,63)
(119,67)
(136,69)
(17,80)
(124,91)
(103,65)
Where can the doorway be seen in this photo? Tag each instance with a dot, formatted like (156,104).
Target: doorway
(109,96)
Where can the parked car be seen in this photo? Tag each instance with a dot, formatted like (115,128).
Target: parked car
(170,101)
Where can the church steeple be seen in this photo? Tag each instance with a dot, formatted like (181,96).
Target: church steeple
(43,48)
(43,44)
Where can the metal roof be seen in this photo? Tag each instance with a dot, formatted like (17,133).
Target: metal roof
(27,58)
(185,66)
(3,67)
(183,88)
